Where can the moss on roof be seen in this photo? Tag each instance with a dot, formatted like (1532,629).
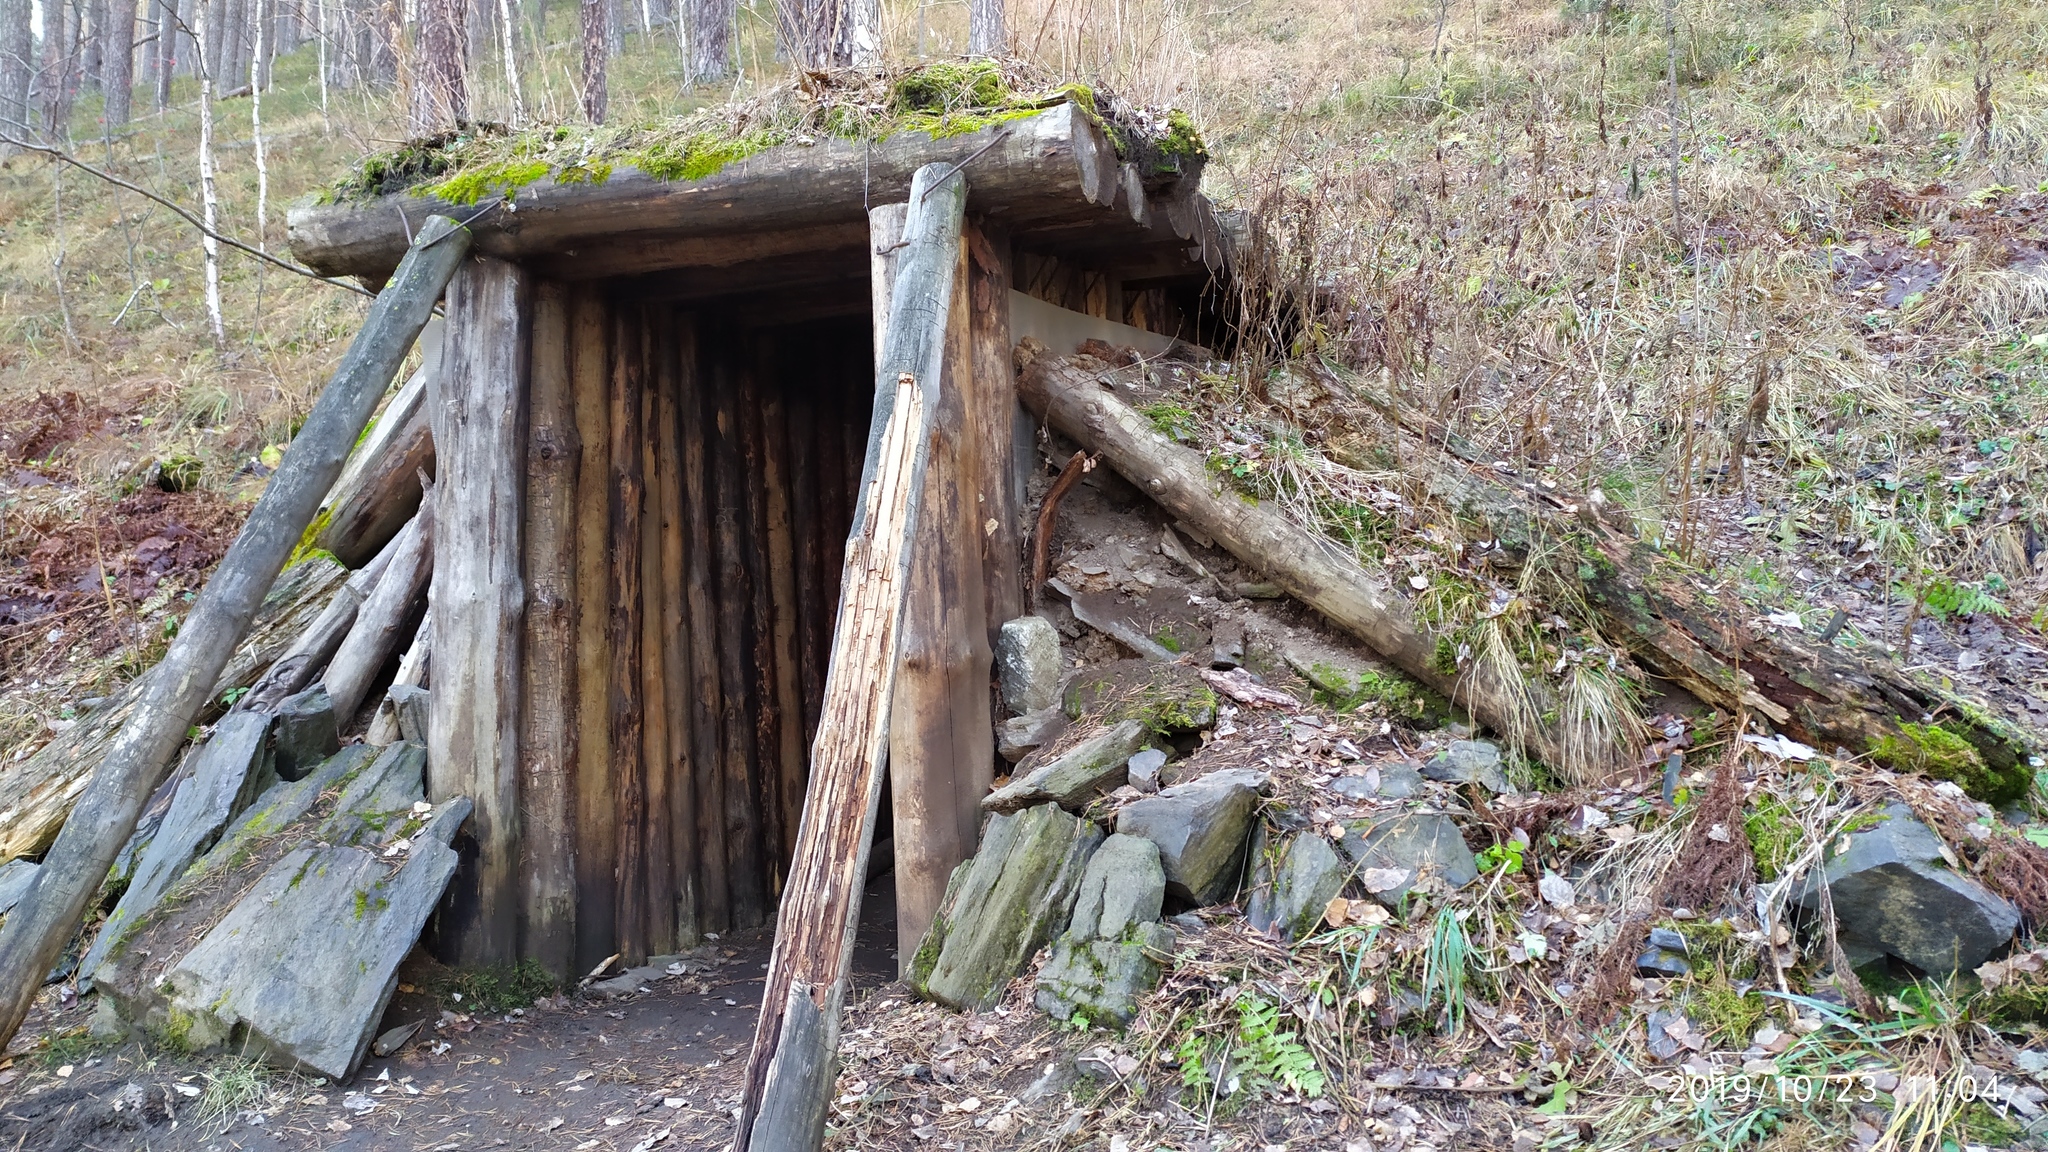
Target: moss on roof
(950,98)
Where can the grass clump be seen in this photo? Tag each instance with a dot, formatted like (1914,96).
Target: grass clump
(498,988)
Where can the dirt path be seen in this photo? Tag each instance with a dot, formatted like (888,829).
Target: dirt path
(656,1070)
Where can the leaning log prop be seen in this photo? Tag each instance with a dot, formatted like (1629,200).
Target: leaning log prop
(790,1070)
(105,816)
(1806,688)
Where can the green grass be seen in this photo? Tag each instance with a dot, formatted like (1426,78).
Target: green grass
(495,990)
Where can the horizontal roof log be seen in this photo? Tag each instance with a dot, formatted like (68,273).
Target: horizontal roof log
(1054,172)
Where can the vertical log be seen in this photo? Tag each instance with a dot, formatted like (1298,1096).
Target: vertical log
(656,864)
(675,635)
(479,406)
(596,834)
(835,494)
(789,721)
(700,601)
(745,871)
(808,534)
(629,784)
(760,610)
(548,720)
(994,418)
(940,744)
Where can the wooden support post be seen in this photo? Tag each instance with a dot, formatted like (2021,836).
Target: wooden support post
(994,417)
(380,488)
(657,864)
(700,602)
(745,865)
(790,1069)
(760,609)
(478,404)
(807,529)
(547,745)
(36,931)
(629,781)
(596,831)
(676,695)
(789,721)
(941,747)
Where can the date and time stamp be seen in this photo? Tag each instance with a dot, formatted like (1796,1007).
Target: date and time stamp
(1855,1087)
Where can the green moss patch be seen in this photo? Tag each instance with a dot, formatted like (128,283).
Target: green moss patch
(1936,750)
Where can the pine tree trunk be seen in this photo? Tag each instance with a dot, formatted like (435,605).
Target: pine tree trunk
(440,94)
(710,39)
(17,65)
(117,75)
(593,13)
(55,81)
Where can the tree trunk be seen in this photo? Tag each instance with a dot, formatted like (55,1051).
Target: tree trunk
(988,31)
(629,763)
(789,1071)
(17,65)
(60,49)
(676,637)
(385,618)
(789,722)
(656,859)
(440,92)
(596,50)
(596,832)
(478,401)
(745,866)
(760,611)
(35,932)
(700,600)
(710,39)
(380,490)
(995,423)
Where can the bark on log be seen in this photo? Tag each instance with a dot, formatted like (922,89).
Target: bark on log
(657,864)
(478,401)
(412,672)
(999,508)
(1067,392)
(628,736)
(699,593)
(808,532)
(745,866)
(315,647)
(1056,165)
(37,793)
(1812,690)
(379,489)
(35,932)
(789,1070)
(941,753)
(385,619)
(760,608)
(675,697)
(596,830)
(789,721)
(547,711)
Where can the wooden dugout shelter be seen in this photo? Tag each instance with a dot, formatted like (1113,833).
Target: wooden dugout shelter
(650,420)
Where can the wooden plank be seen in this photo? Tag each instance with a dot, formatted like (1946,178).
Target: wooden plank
(548,716)
(657,862)
(699,597)
(745,863)
(821,907)
(940,734)
(789,720)
(596,833)
(666,436)
(478,400)
(994,417)
(629,765)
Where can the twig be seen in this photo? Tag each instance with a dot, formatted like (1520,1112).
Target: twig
(1048,513)
(183,213)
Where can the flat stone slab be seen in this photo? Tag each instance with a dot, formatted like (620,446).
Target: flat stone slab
(308,732)
(1394,857)
(1020,736)
(1110,954)
(1893,893)
(307,960)
(1027,659)
(1468,762)
(1291,886)
(379,796)
(1002,905)
(228,772)
(1201,828)
(15,877)
(1072,778)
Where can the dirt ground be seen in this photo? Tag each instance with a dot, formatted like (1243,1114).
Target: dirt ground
(657,1070)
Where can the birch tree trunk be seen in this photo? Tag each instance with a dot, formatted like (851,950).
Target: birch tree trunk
(988,32)
(209,200)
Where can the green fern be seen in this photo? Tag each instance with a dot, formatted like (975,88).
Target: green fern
(1267,1054)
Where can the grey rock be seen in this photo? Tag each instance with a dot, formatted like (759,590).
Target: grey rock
(301,969)
(1028,664)
(1892,891)
(1110,954)
(1468,762)
(1291,887)
(410,702)
(1669,940)
(1354,787)
(1425,845)
(281,804)
(1057,1076)
(1020,736)
(1143,769)
(1072,778)
(629,982)
(1201,828)
(1002,905)
(379,797)
(1260,590)
(1400,781)
(307,732)
(1226,645)
(227,772)
(395,1039)
(15,877)
(1101,612)
(1657,961)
